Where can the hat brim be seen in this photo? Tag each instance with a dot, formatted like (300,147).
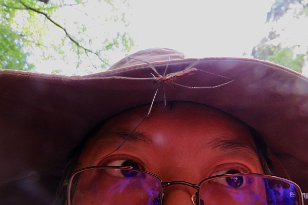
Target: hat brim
(43,117)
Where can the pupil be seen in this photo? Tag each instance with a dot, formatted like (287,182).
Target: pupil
(130,173)
(235,182)
(130,163)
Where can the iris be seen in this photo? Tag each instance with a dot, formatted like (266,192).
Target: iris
(235,181)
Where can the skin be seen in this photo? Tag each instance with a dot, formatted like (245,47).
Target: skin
(187,142)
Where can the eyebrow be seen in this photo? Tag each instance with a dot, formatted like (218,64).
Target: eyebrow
(132,136)
(217,143)
(230,144)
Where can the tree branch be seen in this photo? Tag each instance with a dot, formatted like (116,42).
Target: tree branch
(68,35)
(44,1)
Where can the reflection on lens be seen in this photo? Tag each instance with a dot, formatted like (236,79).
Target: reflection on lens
(249,189)
(115,187)
(235,182)
(281,192)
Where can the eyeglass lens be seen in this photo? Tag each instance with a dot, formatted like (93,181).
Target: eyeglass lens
(116,186)
(249,189)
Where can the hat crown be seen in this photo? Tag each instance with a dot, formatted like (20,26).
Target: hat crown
(148,56)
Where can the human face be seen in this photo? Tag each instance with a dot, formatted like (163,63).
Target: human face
(187,142)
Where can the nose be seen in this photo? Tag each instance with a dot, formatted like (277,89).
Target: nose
(178,197)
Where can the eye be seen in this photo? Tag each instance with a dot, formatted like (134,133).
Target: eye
(132,168)
(125,163)
(235,181)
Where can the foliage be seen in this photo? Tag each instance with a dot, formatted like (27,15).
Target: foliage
(282,56)
(280,7)
(12,54)
(26,27)
(276,46)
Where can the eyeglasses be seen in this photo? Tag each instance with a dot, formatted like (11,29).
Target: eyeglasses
(99,185)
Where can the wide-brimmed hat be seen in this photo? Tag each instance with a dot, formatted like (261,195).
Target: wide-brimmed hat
(44,117)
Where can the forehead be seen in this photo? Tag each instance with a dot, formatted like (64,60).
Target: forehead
(179,116)
(173,126)
(189,113)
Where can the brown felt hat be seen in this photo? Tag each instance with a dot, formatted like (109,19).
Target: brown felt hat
(44,117)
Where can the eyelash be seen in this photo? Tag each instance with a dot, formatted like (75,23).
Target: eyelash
(223,169)
(116,161)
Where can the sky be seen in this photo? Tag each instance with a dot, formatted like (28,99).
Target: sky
(198,28)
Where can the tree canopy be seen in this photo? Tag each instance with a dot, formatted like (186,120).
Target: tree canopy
(284,44)
(25,25)
(66,33)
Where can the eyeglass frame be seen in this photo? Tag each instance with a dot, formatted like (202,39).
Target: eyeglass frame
(165,184)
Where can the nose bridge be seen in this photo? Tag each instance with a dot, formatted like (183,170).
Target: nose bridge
(178,197)
(179,193)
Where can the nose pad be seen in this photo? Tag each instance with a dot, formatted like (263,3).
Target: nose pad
(178,197)
(194,199)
